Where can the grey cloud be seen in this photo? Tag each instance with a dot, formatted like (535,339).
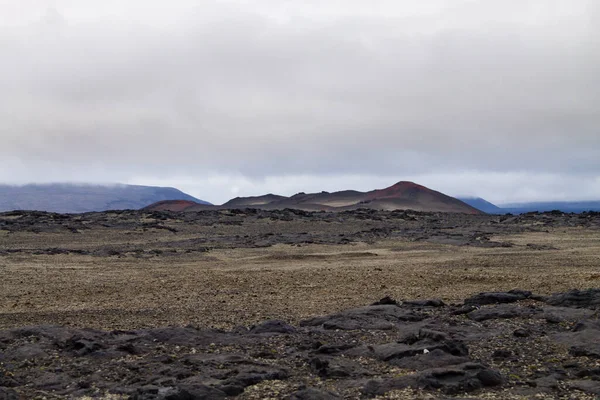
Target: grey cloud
(268,88)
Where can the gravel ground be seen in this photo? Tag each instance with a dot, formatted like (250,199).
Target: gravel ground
(136,271)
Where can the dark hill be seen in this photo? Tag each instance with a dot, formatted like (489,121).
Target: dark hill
(253,201)
(401,196)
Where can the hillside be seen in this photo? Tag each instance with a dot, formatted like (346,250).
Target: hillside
(483,205)
(253,201)
(76,198)
(401,196)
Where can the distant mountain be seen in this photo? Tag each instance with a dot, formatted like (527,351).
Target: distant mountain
(401,196)
(520,208)
(78,198)
(483,205)
(564,206)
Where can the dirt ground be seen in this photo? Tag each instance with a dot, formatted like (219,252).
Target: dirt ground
(230,286)
(291,295)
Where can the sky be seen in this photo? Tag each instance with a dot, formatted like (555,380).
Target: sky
(224,98)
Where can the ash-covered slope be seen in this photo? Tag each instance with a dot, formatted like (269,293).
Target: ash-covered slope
(409,195)
(79,198)
(401,196)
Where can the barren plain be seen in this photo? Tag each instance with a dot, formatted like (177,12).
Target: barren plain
(134,304)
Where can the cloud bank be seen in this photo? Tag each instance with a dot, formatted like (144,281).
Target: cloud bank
(496,98)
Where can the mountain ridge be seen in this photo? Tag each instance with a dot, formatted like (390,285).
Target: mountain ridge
(482,204)
(80,198)
(534,206)
(543,206)
(402,195)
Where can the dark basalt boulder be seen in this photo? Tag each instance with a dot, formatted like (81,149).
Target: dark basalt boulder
(331,368)
(313,394)
(373,349)
(379,317)
(563,314)
(511,296)
(503,311)
(521,333)
(185,336)
(388,351)
(589,298)
(273,326)
(198,392)
(387,300)
(434,359)
(586,386)
(82,346)
(243,371)
(424,303)
(8,394)
(583,340)
(333,348)
(7,381)
(418,348)
(461,378)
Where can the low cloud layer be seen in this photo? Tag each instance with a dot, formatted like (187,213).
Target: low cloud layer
(494,98)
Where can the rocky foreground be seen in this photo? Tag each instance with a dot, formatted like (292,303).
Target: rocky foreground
(494,345)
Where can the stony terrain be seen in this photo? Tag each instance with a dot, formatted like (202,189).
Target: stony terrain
(290,304)
(508,345)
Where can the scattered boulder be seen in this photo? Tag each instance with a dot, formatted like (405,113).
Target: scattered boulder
(197,392)
(333,349)
(313,394)
(502,354)
(424,303)
(431,359)
(8,394)
(503,311)
(463,310)
(378,317)
(583,339)
(589,298)
(497,297)
(273,326)
(592,387)
(461,378)
(562,314)
(521,333)
(82,346)
(387,300)
(331,368)
(374,349)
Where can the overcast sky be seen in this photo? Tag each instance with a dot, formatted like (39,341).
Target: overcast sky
(220,98)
